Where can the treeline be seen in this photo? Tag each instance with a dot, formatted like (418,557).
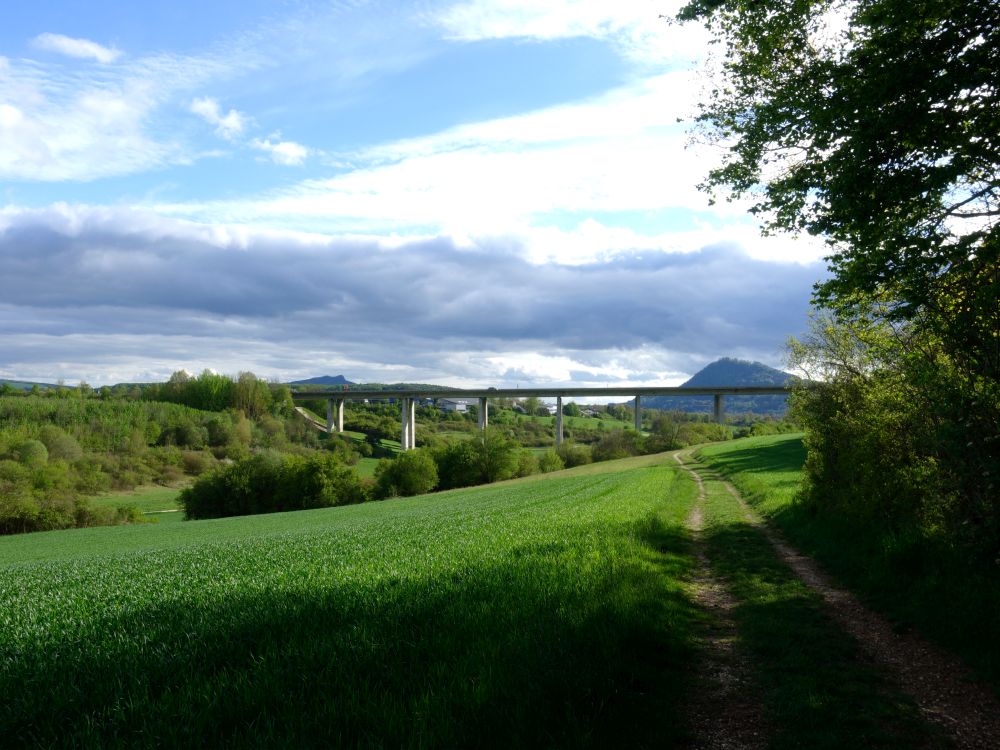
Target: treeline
(55,452)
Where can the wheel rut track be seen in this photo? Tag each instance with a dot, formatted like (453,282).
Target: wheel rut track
(943,687)
(722,711)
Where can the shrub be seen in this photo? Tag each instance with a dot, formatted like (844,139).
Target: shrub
(270,482)
(410,473)
(60,444)
(615,444)
(574,454)
(550,461)
(32,453)
(527,464)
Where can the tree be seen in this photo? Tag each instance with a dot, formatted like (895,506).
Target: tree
(880,137)
(409,473)
(873,124)
(571,409)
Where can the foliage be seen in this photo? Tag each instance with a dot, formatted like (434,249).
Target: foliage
(550,461)
(574,454)
(881,138)
(615,444)
(410,473)
(488,457)
(271,482)
(897,436)
(32,453)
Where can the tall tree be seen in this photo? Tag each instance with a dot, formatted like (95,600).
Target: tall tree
(874,124)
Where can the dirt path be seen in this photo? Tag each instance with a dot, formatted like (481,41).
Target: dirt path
(942,686)
(722,711)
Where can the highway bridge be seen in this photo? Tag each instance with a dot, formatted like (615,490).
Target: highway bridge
(408,399)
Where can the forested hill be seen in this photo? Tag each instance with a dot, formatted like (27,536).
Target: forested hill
(728,372)
(324,380)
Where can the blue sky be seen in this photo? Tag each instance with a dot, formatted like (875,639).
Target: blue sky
(482,192)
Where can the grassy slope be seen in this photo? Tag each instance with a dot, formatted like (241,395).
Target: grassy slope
(939,596)
(538,613)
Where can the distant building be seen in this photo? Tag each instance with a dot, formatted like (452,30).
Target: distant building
(459,405)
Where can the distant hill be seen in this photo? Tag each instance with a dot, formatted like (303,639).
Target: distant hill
(324,380)
(23,385)
(728,372)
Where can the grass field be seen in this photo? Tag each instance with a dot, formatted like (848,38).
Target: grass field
(541,613)
(157,503)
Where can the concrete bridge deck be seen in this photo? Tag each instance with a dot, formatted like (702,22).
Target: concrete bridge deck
(408,397)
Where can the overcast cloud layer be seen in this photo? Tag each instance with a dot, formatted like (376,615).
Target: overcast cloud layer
(476,192)
(105,294)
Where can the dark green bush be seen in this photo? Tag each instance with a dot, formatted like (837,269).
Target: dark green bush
(270,482)
(410,473)
(574,454)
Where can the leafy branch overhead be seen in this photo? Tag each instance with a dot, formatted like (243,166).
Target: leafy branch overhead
(873,123)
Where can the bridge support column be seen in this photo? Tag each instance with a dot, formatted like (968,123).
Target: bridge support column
(413,424)
(404,440)
(559,421)
(638,413)
(329,416)
(339,415)
(719,407)
(484,414)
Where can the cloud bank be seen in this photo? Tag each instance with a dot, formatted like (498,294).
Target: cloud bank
(123,295)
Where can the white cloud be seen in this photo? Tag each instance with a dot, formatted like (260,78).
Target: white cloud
(228,125)
(90,123)
(80,48)
(288,153)
(641,28)
(622,151)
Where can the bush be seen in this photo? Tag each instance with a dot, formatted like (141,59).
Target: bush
(615,444)
(32,453)
(550,461)
(270,482)
(527,464)
(574,454)
(60,444)
(410,473)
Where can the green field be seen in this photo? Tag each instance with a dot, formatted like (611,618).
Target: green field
(158,504)
(538,612)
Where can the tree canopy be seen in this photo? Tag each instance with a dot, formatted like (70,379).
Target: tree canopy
(875,124)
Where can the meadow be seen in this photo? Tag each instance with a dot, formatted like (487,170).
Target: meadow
(541,613)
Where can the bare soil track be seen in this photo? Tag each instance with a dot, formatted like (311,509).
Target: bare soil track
(942,686)
(723,712)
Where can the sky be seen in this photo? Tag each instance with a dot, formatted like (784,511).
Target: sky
(478,192)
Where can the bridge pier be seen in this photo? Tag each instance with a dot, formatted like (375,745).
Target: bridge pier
(559,421)
(484,414)
(334,415)
(408,439)
(719,407)
(638,413)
